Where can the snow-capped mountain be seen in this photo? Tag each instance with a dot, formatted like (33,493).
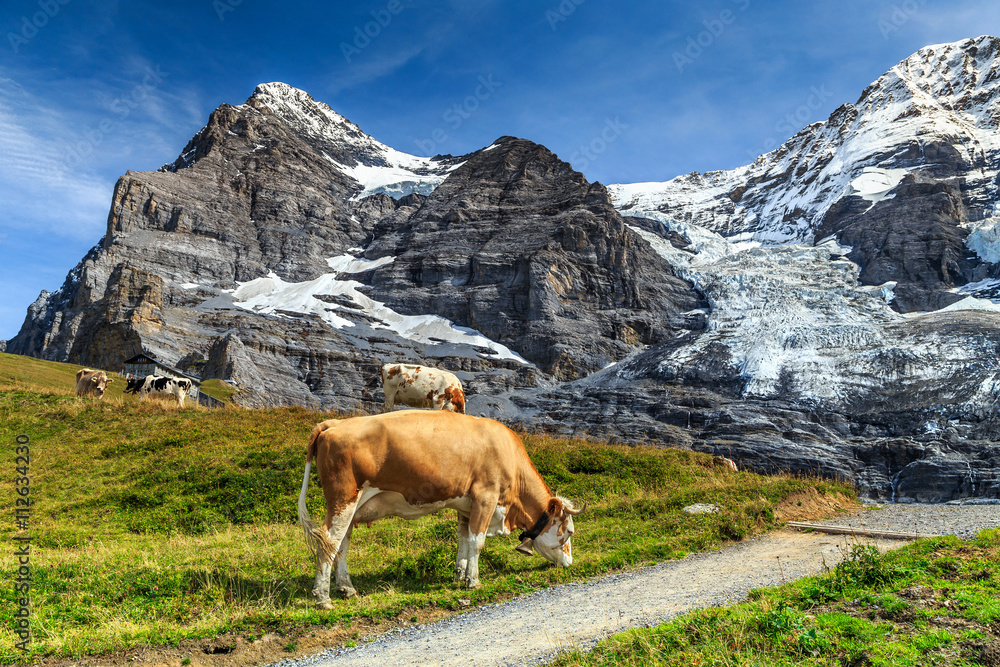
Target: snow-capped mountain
(374,166)
(890,188)
(828,308)
(935,113)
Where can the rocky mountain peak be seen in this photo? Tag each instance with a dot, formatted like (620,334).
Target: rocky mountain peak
(521,247)
(280,120)
(285,100)
(962,76)
(316,120)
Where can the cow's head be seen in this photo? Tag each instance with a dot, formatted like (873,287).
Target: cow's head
(133,385)
(100,382)
(553,541)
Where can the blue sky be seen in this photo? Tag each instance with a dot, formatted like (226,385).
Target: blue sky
(90,89)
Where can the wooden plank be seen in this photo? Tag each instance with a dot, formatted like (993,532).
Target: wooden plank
(860,532)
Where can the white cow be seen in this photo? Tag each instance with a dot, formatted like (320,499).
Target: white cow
(422,387)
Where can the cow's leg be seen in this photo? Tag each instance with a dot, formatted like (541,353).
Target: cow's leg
(343,579)
(337,527)
(180,397)
(479,523)
(462,560)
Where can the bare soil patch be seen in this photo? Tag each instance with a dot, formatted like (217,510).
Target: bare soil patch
(810,505)
(236,650)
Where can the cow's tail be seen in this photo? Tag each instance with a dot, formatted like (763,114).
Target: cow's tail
(316,538)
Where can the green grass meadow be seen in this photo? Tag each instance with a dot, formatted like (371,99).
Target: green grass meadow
(934,602)
(151,525)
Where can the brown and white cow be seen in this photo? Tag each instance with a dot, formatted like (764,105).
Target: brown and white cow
(412,463)
(421,387)
(91,383)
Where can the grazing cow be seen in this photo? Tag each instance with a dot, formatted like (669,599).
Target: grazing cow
(413,463)
(90,383)
(422,387)
(159,385)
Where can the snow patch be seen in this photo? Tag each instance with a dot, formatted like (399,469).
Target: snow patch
(971,303)
(984,239)
(404,174)
(352,264)
(874,183)
(272,295)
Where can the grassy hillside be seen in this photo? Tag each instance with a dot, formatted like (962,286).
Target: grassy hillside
(934,602)
(30,374)
(151,525)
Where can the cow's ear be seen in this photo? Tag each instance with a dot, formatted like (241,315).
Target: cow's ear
(95,380)
(110,380)
(555,507)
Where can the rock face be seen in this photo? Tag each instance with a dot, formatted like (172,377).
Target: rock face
(517,245)
(827,309)
(915,239)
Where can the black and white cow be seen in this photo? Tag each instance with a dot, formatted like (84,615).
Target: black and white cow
(159,385)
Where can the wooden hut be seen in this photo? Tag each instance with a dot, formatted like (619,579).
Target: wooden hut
(145,364)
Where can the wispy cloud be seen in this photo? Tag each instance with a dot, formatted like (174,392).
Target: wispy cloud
(40,191)
(372,65)
(953,22)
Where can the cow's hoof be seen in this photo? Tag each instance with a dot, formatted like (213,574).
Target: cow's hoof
(324,605)
(348,592)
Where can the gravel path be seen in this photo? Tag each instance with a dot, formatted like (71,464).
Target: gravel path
(962,520)
(532,629)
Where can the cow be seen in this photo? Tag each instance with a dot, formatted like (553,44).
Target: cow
(412,463)
(421,387)
(159,385)
(91,383)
